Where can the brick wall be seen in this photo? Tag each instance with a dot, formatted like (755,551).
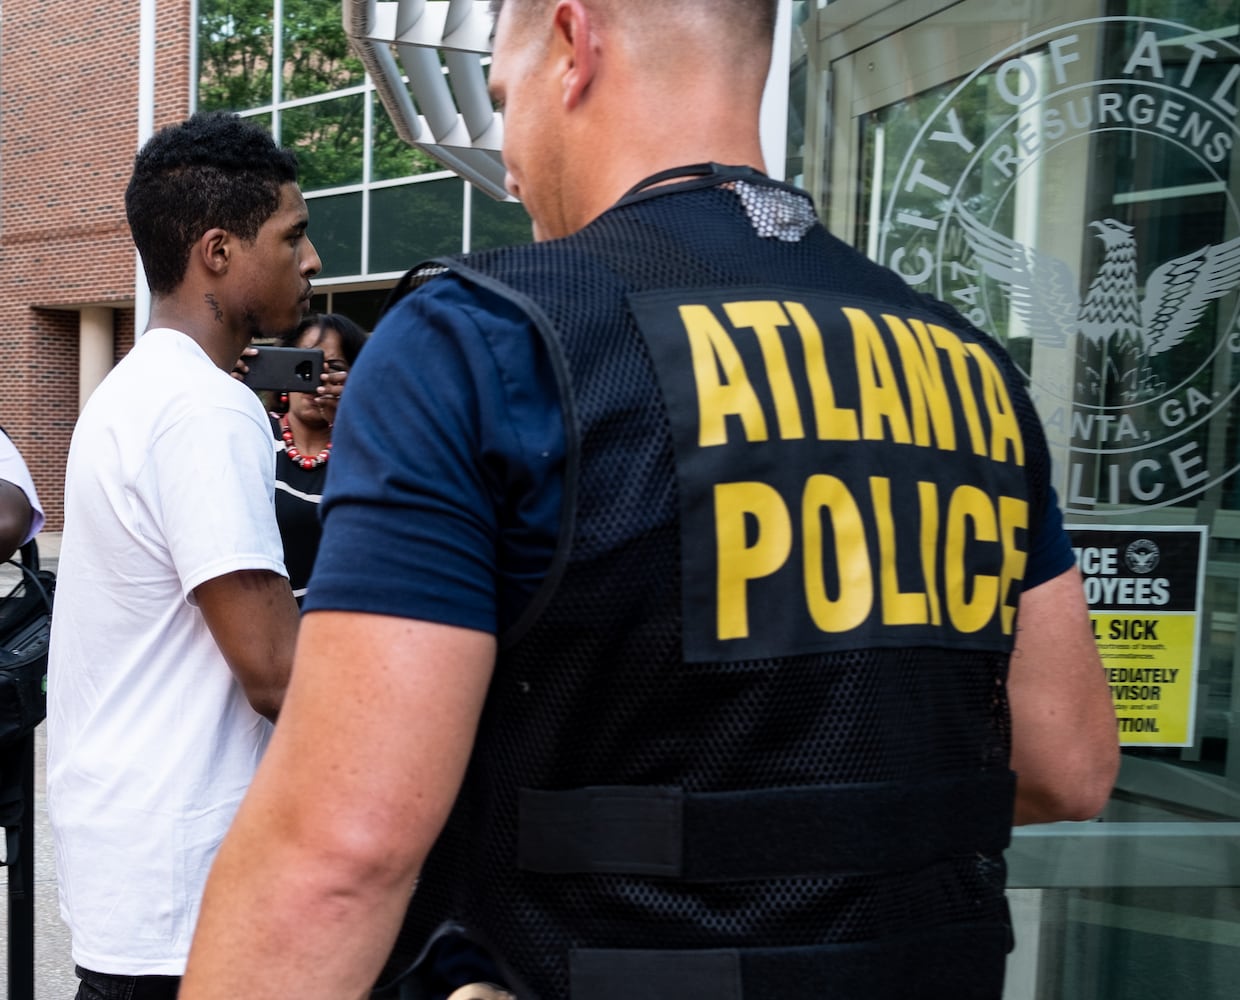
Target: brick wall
(68,132)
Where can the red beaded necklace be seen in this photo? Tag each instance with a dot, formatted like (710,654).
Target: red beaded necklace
(291,449)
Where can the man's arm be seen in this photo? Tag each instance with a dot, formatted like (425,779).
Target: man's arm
(1065,749)
(253,618)
(15,516)
(311,884)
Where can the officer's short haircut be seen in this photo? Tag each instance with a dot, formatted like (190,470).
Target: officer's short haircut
(213,170)
(757,16)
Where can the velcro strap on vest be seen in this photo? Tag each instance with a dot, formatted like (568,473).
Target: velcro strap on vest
(773,833)
(964,962)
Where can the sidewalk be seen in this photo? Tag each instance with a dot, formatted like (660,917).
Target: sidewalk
(53,974)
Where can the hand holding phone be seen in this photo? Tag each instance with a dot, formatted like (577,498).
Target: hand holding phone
(285,369)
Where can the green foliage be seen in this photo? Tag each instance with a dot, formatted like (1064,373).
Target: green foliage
(328,138)
(317,56)
(235,43)
(234,54)
(390,156)
(235,46)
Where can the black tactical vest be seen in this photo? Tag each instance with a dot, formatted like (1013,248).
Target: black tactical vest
(752,739)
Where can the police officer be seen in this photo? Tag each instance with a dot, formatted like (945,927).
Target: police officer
(727,620)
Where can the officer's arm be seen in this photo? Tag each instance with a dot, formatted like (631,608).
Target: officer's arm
(1065,749)
(15,515)
(311,884)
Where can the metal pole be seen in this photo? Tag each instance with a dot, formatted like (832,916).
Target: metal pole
(146,128)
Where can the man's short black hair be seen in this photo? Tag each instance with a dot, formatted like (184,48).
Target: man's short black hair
(213,170)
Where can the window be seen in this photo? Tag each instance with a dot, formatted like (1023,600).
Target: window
(322,106)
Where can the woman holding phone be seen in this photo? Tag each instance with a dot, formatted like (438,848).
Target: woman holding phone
(302,426)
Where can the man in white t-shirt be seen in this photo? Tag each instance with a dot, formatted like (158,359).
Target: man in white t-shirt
(21,517)
(175,624)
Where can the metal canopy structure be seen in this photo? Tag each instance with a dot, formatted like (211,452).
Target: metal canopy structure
(426,59)
(453,119)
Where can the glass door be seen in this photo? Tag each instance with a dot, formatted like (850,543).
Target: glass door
(1065,173)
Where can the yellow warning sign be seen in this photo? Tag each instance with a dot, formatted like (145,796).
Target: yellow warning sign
(1144,587)
(1148,662)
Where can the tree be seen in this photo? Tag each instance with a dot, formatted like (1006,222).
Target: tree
(234,54)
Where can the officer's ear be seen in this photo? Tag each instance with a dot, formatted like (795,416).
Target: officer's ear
(579,42)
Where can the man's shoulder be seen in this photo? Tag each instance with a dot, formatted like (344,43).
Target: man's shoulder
(164,379)
(158,360)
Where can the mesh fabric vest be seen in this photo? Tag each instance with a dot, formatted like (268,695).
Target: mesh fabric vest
(834,816)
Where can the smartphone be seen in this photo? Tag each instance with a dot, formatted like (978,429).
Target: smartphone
(285,369)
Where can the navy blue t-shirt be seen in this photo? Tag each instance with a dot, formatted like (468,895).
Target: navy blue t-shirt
(443,493)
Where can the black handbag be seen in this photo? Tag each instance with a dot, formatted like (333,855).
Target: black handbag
(25,628)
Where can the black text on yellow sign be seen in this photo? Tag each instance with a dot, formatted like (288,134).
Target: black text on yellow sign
(1143,583)
(1148,663)
(847,476)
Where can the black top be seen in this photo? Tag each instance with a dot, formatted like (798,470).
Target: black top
(298,492)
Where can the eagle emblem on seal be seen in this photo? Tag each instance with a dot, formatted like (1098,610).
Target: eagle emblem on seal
(1117,328)
(1141,556)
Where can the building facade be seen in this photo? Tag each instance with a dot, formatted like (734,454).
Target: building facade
(68,111)
(1065,172)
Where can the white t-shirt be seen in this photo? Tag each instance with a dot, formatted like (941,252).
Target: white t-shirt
(13,470)
(150,740)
